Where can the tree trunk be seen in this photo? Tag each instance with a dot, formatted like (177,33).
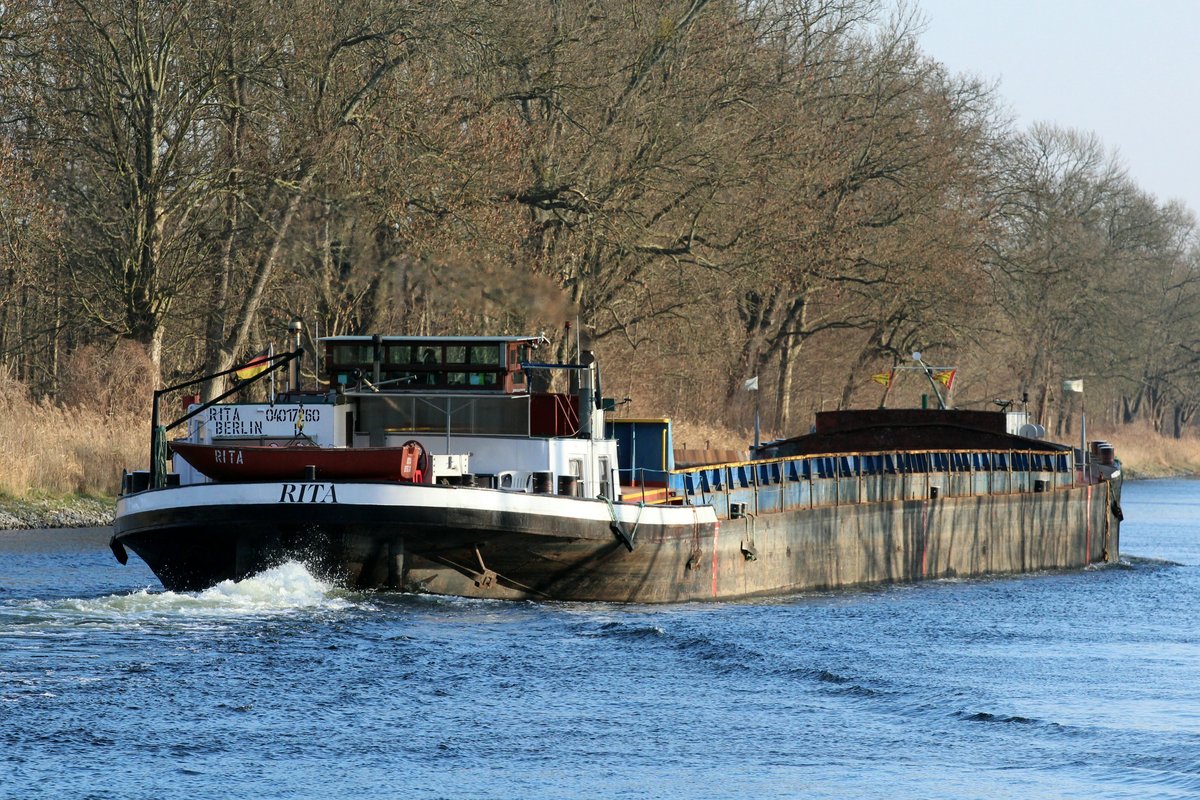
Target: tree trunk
(218,315)
(783,388)
(1183,417)
(790,343)
(757,313)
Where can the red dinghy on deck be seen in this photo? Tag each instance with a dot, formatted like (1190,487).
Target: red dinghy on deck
(234,462)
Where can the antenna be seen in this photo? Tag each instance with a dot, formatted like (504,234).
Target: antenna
(929,375)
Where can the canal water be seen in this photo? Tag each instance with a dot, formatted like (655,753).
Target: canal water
(1057,685)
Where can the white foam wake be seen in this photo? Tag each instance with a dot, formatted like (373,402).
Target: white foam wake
(280,590)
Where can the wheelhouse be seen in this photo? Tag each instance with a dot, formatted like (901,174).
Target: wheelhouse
(483,407)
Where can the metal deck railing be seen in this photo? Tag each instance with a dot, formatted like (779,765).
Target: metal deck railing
(810,481)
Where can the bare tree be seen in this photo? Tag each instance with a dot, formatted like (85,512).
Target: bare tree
(1053,250)
(119,90)
(876,222)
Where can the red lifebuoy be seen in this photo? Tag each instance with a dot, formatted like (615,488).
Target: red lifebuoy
(414,462)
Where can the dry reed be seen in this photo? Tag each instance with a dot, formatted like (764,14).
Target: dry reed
(49,449)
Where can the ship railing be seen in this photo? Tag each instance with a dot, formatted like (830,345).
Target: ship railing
(643,484)
(810,481)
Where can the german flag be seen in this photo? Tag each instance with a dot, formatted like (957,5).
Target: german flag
(257,364)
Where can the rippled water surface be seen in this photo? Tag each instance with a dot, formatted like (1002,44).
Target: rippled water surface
(1081,684)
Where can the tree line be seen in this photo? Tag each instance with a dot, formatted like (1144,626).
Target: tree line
(788,189)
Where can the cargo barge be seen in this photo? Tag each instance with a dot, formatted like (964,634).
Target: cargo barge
(448,465)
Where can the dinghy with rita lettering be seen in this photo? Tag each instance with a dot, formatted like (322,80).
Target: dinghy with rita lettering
(296,460)
(448,465)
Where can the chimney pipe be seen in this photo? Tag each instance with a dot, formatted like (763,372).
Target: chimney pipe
(586,395)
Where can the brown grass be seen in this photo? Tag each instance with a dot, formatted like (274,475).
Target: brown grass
(51,449)
(1146,454)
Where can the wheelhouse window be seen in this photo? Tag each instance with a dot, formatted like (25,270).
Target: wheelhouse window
(485,355)
(401,354)
(351,355)
(403,414)
(460,365)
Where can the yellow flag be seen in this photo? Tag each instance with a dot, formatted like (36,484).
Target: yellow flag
(946,377)
(884,378)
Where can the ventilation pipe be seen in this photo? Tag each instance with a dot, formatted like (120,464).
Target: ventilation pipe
(377,358)
(294,328)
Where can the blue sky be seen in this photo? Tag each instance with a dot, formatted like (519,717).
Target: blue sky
(1124,70)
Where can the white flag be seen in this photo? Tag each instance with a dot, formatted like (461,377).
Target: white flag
(751,385)
(1073,386)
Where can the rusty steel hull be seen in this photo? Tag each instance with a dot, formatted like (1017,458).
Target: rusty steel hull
(483,543)
(824,548)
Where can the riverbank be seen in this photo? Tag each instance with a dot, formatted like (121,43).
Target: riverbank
(55,512)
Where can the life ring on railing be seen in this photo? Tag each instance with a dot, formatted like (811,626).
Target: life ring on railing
(414,462)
